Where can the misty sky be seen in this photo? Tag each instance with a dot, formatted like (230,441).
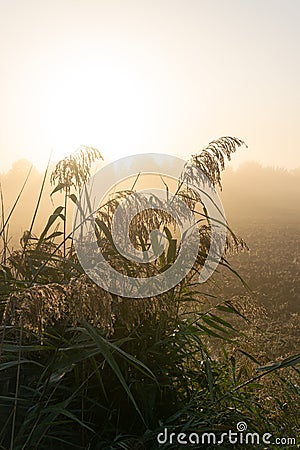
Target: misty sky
(135,76)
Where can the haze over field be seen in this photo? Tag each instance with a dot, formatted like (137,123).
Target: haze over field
(251,194)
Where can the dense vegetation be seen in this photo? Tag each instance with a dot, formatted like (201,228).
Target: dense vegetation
(82,368)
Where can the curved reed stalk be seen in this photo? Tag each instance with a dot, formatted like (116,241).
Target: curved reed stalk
(72,172)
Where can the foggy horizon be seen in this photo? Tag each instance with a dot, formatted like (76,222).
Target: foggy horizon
(250,191)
